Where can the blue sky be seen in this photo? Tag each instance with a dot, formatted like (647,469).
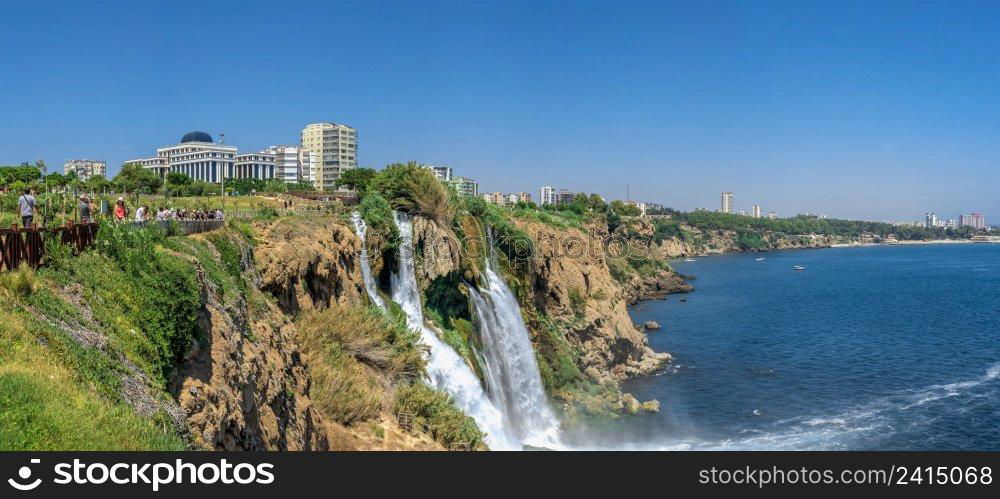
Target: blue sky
(855,109)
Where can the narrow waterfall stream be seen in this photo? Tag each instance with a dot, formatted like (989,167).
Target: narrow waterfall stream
(515,383)
(446,369)
(366,270)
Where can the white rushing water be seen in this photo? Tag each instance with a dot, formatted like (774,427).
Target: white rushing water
(366,270)
(446,369)
(515,384)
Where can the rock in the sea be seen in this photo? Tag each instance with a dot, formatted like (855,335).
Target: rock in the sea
(651,405)
(651,325)
(632,405)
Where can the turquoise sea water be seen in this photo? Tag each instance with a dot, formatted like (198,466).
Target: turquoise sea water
(868,348)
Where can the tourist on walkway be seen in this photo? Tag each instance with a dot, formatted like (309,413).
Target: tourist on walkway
(26,206)
(84,208)
(120,210)
(140,214)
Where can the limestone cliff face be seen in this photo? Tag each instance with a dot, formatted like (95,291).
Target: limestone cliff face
(244,385)
(570,281)
(436,248)
(307,264)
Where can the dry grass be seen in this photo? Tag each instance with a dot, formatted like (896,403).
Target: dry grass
(431,199)
(357,355)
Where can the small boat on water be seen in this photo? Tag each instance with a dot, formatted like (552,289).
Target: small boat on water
(689,259)
(799,267)
(759,259)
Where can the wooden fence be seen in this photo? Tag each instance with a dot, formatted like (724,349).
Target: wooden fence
(27,245)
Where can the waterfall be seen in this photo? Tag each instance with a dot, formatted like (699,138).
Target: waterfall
(514,382)
(366,270)
(445,368)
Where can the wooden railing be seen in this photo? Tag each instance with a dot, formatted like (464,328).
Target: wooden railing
(27,245)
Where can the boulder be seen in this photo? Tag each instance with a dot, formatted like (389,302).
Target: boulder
(651,325)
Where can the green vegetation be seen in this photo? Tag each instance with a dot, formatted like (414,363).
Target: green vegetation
(436,411)
(802,224)
(366,363)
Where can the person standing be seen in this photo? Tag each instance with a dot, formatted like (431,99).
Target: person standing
(120,211)
(84,208)
(26,206)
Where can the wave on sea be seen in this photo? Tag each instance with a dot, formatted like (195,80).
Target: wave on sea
(859,426)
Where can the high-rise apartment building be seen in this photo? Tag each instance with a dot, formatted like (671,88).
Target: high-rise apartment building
(975,220)
(546,195)
(336,148)
(85,168)
(930,220)
(727,202)
(288,162)
(443,173)
(757,211)
(464,186)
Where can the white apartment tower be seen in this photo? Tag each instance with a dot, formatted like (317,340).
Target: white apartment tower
(336,148)
(757,211)
(727,202)
(289,164)
(546,195)
(443,173)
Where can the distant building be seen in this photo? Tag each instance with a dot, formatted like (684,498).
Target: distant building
(772,215)
(336,148)
(196,156)
(289,166)
(742,213)
(930,220)
(85,168)
(443,173)
(549,195)
(546,195)
(464,186)
(975,220)
(256,165)
(756,211)
(495,198)
(519,197)
(727,202)
(640,206)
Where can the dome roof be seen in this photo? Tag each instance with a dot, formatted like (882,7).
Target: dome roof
(196,137)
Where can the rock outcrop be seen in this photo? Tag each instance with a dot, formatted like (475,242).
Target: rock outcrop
(244,385)
(571,282)
(309,263)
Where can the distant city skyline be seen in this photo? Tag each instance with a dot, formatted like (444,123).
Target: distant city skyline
(879,111)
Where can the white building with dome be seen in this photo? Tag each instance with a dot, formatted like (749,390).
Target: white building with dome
(201,158)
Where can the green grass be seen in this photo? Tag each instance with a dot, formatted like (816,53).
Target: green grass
(57,395)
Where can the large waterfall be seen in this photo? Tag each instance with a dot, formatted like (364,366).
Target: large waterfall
(366,270)
(446,369)
(515,384)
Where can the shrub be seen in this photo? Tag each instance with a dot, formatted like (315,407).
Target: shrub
(436,411)
(430,198)
(18,283)
(357,354)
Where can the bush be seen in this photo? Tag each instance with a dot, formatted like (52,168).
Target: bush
(357,354)
(437,411)
(18,284)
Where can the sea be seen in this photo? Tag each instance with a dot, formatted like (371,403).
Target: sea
(867,348)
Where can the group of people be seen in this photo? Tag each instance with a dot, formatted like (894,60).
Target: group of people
(173,214)
(86,209)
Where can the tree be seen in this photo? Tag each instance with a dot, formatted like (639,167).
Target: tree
(176,182)
(96,183)
(134,178)
(356,179)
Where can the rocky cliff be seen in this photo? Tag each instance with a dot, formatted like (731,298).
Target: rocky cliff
(571,283)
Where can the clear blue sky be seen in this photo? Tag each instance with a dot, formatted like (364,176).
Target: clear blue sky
(867,109)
